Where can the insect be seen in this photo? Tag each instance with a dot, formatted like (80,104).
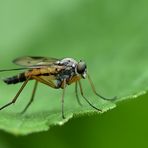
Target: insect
(56,73)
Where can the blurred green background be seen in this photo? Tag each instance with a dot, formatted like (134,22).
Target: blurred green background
(80,28)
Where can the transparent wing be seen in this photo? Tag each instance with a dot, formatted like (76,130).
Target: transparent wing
(30,61)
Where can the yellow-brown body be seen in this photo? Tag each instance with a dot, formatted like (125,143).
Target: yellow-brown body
(48,76)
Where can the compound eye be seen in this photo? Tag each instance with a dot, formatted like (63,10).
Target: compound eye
(81,67)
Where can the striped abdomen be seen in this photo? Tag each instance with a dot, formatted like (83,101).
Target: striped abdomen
(15,79)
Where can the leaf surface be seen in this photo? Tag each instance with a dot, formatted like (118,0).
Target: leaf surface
(112,41)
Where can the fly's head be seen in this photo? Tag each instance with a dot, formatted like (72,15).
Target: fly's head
(82,69)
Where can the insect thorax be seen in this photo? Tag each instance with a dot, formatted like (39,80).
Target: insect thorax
(69,71)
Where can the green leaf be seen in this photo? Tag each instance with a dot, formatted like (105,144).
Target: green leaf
(112,41)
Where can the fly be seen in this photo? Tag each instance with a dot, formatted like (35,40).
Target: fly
(56,73)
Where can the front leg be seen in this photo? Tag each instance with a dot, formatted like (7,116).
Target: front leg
(64,86)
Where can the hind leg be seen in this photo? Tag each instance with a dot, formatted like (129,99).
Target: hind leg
(17,95)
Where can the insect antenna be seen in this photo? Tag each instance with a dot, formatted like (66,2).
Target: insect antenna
(95,92)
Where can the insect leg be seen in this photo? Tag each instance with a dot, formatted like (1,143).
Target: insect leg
(49,83)
(64,86)
(81,90)
(16,96)
(32,97)
(95,92)
(76,91)
(54,86)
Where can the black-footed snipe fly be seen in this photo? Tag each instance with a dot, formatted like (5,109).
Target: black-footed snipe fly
(56,73)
